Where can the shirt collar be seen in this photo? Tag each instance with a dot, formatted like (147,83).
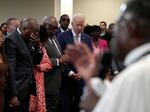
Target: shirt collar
(8,33)
(136,53)
(19,31)
(74,34)
(62,30)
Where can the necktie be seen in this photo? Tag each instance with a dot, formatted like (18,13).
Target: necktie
(76,38)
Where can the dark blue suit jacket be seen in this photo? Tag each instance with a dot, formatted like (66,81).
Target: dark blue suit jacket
(71,88)
(66,38)
(59,31)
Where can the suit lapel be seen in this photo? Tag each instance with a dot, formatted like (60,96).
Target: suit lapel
(51,49)
(72,37)
(24,46)
(55,39)
(83,39)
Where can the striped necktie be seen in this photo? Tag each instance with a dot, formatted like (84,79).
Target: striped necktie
(76,38)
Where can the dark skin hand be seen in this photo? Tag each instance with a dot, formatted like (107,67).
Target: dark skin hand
(35,39)
(63,59)
(14,102)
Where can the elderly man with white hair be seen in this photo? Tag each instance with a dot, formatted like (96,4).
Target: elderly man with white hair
(72,82)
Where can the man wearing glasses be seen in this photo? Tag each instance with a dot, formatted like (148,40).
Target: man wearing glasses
(64,23)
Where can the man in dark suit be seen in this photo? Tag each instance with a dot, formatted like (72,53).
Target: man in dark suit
(72,83)
(64,23)
(21,55)
(52,78)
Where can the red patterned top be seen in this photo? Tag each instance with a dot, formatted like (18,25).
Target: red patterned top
(37,103)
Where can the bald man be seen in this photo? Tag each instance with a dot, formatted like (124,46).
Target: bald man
(53,78)
(22,51)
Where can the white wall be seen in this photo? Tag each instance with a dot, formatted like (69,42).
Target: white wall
(25,8)
(57,8)
(67,7)
(94,10)
(98,10)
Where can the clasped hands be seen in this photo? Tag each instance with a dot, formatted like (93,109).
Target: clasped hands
(63,59)
(14,102)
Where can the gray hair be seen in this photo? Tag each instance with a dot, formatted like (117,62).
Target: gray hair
(78,15)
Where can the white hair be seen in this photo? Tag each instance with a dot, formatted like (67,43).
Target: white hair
(78,15)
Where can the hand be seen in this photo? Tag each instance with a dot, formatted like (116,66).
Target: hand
(35,38)
(76,76)
(83,59)
(14,102)
(63,59)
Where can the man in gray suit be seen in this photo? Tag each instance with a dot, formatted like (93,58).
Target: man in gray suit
(53,77)
(21,55)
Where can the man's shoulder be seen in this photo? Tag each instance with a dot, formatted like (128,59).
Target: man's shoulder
(58,32)
(85,35)
(65,33)
(136,71)
(12,35)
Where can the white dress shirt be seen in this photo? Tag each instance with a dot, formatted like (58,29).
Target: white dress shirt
(79,40)
(76,37)
(63,30)
(130,91)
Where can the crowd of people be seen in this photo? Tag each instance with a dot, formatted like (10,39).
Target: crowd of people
(54,68)
(38,74)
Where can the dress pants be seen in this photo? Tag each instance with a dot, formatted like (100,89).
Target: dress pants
(52,102)
(70,95)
